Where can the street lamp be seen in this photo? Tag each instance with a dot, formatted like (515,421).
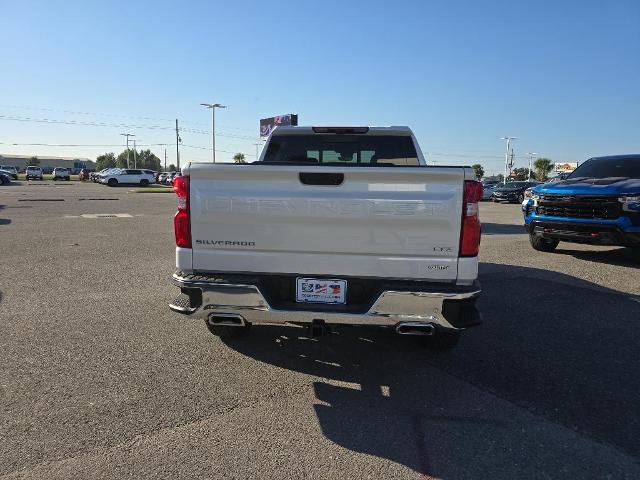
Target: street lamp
(213,107)
(127,135)
(506,157)
(530,155)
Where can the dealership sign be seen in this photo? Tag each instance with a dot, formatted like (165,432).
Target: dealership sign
(566,167)
(268,124)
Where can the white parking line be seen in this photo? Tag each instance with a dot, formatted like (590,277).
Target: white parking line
(101,215)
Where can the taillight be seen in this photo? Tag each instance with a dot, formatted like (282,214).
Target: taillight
(182,220)
(470,232)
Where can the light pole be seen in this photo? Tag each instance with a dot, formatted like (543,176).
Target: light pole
(257,151)
(135,158)
(530,155)
(506,157)
(213,107)
(127,135)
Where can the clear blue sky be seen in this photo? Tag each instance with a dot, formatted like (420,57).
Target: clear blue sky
(562,76)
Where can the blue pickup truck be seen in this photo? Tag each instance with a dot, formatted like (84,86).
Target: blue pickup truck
(598,204)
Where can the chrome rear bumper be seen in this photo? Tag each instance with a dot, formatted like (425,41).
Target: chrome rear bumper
(219,298)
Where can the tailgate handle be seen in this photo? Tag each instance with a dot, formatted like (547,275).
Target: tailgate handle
(314,178)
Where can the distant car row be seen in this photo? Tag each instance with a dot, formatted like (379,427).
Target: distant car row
(35,173)
(131,176)
(45,170)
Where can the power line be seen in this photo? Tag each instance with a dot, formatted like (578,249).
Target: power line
(115,115)
(80,144)
(16,118)
(113,145)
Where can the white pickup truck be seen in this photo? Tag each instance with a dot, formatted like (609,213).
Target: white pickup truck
(332,225)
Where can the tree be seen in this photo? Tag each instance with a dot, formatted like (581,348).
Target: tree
(121,161)
(32,162)
(479,170)
(543,167)
(239,158)
(523,174)
(138,159)
(500,177)
(106,160)
(171,168)
(147,159)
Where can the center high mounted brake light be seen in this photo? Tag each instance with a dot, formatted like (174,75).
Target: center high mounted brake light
(182,220)
(340,130)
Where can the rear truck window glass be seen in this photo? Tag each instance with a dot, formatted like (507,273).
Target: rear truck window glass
(616,167)
(347,150)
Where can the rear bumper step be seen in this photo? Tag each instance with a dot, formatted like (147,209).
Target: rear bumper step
(442,306)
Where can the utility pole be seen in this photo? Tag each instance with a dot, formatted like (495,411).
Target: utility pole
(178,140)
(213,107)
(530,155)
(135,159)
(127,135)
(165,159)
(506,157)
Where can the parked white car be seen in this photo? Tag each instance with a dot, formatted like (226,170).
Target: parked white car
(127,176)
(34,173)
(61,174)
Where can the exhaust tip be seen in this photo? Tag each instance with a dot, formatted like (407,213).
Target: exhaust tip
(415,328)
(226,319)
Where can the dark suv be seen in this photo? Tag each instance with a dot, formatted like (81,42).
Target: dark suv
(511,192)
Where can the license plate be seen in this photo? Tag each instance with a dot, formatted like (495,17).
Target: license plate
(321,290)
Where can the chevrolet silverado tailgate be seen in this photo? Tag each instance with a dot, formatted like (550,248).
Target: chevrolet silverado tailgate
(320,220)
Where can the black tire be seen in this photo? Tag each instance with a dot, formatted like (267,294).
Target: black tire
(226,331)
(442,340)
(521,198)
(144,182)
(112,182)
(542,244)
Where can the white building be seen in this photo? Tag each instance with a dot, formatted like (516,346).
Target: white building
(72,163)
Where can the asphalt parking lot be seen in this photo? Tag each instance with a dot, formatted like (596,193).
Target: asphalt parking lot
(100,380)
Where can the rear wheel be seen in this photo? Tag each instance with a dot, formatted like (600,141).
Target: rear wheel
(226,331)
(543,244)
(442,340)
(112,182)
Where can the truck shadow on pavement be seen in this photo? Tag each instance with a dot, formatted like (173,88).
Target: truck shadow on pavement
(556,356)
